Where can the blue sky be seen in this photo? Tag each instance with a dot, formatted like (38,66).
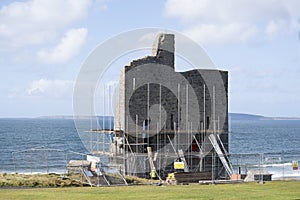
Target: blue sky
(44,42)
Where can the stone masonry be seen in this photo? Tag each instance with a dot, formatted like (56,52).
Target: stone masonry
(170,111)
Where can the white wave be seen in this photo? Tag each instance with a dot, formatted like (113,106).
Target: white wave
(285,176)
(36,172)
(276,165)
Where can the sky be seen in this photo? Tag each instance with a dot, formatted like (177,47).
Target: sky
(43,44)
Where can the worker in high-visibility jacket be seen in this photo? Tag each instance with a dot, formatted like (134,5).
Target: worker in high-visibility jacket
(153,174)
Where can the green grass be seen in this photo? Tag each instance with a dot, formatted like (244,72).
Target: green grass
(54,180)
(269,190)
(38,180)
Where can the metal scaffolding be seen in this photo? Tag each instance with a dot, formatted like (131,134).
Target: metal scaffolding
(198,147)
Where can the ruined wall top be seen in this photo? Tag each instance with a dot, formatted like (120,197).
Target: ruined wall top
(163,42)
(163,48)
(162,52)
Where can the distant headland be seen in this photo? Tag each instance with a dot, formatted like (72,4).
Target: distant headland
(242,116)
(232,116)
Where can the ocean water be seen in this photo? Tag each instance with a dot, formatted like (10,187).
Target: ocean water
(269,136)
(46,145)
(270,145)
(18,138)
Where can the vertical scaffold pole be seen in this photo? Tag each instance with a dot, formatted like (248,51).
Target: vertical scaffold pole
(136,133)
(148,114)
(214,132)
(160,106)
(178,120)
(103,119)
(204,117)
(91,122)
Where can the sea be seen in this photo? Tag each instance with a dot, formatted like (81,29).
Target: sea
(39,145)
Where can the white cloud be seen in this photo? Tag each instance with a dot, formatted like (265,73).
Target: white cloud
(38,21)
(213,21)
(50,88)
(68,47)
(273,28)
(212,33)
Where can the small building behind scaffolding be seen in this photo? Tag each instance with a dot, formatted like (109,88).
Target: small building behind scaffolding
(167,120)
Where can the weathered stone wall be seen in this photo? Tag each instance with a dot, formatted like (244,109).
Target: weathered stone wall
(156,101)
(119,122)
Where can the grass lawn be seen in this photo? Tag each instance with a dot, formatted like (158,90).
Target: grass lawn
(269,190)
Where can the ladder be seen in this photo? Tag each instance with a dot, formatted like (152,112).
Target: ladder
(225,151)
(224,159)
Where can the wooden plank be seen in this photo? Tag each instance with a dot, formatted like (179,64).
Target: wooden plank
(191,177)
(149,150)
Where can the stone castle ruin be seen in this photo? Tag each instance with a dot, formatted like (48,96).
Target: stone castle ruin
(169,121)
